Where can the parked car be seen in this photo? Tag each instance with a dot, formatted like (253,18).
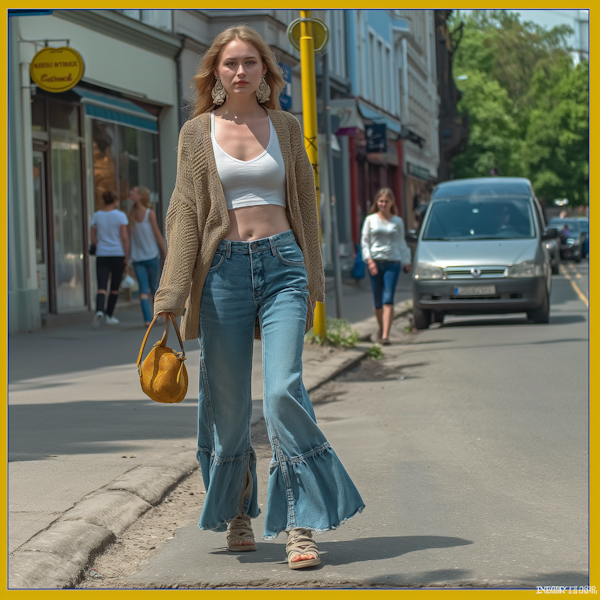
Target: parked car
(572,237)
(585,225)
(481,249)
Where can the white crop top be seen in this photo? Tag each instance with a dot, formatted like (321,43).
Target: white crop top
(251,182)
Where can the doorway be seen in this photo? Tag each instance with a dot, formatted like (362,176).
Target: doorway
(41,223)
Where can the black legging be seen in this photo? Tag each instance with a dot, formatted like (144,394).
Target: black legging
(106,266)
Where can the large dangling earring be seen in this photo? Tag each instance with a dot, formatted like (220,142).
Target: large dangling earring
(218,92)
(263,93)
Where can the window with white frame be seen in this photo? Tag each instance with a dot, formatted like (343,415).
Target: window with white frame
(372,69)
(387,79)
(159,19)
(381,72)
(360,50)
(382,77)
(339,32)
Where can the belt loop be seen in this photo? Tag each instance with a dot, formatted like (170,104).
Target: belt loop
(273,247)
(228,251)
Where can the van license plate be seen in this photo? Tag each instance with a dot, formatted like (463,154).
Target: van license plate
(475,290)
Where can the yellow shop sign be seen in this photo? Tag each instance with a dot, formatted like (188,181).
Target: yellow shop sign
(56,69)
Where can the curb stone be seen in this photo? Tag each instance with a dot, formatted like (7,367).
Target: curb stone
(58,556)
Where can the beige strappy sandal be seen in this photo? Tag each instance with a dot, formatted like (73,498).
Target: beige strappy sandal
(300,542)
(240,530)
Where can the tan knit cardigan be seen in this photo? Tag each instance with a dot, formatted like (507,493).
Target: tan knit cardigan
(197,218)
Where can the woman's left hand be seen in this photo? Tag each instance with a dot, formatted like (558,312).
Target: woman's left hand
(407,267)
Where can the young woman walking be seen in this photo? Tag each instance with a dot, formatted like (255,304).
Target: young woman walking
(384,249)
(109,234)
(147,244)
(244,258)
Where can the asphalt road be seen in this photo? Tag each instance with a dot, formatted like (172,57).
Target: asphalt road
(470,448)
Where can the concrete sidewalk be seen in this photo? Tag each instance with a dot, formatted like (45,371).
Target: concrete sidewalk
(89,453)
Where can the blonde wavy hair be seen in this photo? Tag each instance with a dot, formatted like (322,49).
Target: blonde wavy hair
(386,191)
(144,192)
(204,80)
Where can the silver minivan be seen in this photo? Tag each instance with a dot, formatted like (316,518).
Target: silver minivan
(480,250)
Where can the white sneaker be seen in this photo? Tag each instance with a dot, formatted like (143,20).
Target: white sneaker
(97,320)
(111,320)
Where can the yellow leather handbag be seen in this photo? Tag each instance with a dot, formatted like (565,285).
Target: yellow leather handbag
(163,375)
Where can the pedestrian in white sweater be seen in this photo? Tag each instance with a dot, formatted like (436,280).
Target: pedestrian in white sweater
(384,249)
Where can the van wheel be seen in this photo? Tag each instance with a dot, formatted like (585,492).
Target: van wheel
(577,259)
(421,318)
(556,269)
(541,314)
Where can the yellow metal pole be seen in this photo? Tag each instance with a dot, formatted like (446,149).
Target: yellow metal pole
(309,109)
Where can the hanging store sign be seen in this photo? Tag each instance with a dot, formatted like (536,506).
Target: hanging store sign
(376,137)
(56,69)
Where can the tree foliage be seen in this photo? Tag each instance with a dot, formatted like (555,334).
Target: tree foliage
(527,104)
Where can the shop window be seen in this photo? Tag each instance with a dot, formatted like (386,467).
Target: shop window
(64,118)
(67,206)
(124,157)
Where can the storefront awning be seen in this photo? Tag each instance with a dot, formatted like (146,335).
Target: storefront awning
(377,117)
(347,114)
(116,110)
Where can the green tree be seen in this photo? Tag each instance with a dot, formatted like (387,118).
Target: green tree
(494,140)
(557,136)
(526,101)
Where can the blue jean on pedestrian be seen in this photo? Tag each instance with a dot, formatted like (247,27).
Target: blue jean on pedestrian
(384,283)
(308,486)
(146,272)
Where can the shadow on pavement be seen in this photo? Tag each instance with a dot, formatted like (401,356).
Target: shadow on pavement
(566,319)
(357,550)
(80,348)
(423,342)
(491,321)
(441,577)
(95,427)
(560,578)
(504,322)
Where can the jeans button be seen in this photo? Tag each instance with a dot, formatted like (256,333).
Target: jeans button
(254,246)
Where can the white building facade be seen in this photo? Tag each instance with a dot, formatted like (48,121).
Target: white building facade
(117,128)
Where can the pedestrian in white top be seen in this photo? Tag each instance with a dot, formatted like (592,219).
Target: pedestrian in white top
(147,245)
(109,234)
(384,249)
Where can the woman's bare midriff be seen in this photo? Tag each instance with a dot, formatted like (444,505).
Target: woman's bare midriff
(256,222)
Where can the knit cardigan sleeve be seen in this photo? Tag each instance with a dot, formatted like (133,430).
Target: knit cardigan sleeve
(305,181)
(182,235)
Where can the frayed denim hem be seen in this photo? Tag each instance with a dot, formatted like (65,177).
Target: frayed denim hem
(222,527)
(317,531)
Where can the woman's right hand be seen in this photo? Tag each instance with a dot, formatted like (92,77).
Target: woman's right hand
(165,315)
(372,265)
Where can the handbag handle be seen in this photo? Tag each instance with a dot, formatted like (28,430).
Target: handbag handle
(163,341)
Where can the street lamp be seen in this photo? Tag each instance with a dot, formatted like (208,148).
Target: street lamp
(303,33)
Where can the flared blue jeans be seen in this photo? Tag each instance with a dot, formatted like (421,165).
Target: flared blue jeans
(308,485)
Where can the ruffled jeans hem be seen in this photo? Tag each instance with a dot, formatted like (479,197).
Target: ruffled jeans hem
(317,531)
